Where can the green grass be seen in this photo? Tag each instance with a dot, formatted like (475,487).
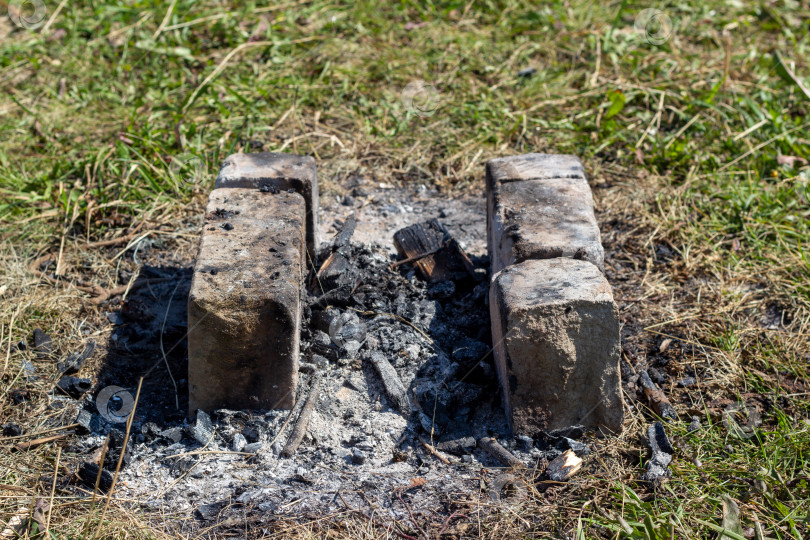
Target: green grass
(105,121)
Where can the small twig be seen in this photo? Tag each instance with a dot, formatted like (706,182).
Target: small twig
(11,337)
(494,449)
(60,428)
(416,257)
(165,20)
(115,241)
(433,451)
(302,424)
(45,31)
(53,490)
(410,513)
(100,294)
(451,516)
(39,442)
(287,421)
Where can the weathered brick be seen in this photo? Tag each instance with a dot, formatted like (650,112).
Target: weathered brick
(275,171)
(535,167)
(555,329)
(244,307)
(539,206)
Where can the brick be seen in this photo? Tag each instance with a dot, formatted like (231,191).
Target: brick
(539,206)
(275,171)
(535,167)
(244,307)
(556,333)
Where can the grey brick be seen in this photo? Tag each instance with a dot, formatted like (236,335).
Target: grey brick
(540,206)
(555,331)
(275,171)
(244,307)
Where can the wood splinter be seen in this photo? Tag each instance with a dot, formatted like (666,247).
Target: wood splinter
(564,466)
(302,423)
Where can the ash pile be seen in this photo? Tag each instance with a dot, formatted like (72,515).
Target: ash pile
(398,407)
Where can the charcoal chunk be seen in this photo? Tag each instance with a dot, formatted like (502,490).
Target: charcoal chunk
(74,362)
(358,456)
(11,429)
(457,446)
(118,443)
(203,429)
(174,435)
(238,443)
(251,433)
(150,430)
(74,386)
(657,468)
(88,472)
(208,512)
(42,344)
(85,422)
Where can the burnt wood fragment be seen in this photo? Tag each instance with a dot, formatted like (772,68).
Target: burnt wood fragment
(434,252)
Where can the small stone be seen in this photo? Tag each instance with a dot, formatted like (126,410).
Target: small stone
(115,318)
(358,456)
(527,72)
(694,425)
(30,370)
(238,443)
